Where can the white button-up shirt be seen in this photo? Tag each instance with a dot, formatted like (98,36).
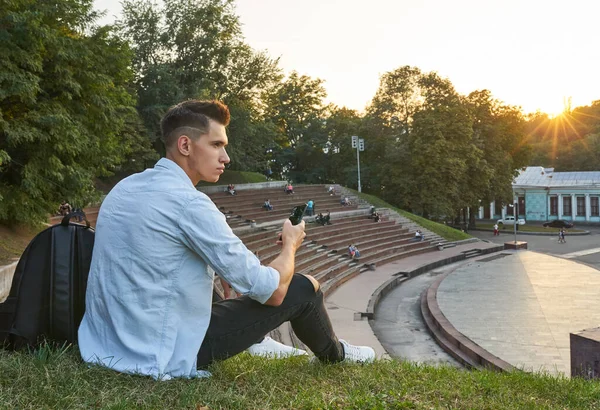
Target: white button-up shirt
(149,293)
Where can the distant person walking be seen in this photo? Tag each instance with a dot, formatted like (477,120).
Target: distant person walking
(561,236)
(496,232)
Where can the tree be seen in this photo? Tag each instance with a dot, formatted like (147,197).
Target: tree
(296,109)
(340,157)
(499,132)
(424,142)
(188,49)
(64,106)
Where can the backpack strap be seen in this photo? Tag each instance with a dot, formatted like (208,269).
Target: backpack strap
(75,214)
(61,280)
(70,261)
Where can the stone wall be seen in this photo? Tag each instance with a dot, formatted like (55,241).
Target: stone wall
(6,275)
(242,187)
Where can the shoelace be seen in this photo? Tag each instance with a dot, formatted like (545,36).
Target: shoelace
(352,351)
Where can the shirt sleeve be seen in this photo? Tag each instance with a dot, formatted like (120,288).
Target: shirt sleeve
(206,232)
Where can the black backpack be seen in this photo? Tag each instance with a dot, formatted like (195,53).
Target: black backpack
(47,295)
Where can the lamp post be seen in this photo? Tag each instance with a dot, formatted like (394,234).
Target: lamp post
(515,207)
(359,144)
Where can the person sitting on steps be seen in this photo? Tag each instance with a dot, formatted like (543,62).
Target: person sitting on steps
(418,236)
(267,205)
(323,219)
(353,252)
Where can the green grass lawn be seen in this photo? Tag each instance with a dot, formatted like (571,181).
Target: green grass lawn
(57,379)
(446,232)
(525,228)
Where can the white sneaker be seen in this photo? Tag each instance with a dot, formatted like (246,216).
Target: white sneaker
(357,354)
(272,348)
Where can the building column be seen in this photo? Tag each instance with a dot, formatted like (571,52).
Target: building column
(588,207)
(480,212)
(548,208)
(560,206)
(504,212)
(573,206)
(492,209)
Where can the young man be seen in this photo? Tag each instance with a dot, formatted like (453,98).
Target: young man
(149,294)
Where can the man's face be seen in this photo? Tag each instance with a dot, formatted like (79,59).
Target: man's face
(207,154)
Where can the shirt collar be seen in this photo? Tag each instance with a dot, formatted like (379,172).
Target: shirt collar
(173,167)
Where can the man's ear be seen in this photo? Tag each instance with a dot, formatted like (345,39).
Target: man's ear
(183,145)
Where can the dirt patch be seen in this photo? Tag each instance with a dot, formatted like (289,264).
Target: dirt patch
(13,242)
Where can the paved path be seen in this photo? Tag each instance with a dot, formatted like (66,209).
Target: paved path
(353,296)
(399,324)
(521,307)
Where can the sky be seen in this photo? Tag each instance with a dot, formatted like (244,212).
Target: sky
(529,53)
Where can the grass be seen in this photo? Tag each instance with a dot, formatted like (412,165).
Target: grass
(446,232)
(55,378)
(524,228)
(237,177)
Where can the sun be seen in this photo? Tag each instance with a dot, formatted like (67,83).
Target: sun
(556,110)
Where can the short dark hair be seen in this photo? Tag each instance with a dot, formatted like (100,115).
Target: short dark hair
(192,118)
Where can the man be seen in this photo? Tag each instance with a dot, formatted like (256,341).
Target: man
(148,301)
(310,207)
(496,232)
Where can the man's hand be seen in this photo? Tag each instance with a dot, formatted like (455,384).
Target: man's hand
(292,234)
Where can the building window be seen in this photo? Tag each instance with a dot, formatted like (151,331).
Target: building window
(580,206)
(594,202)
(522,205)
(553,205)
(566,205)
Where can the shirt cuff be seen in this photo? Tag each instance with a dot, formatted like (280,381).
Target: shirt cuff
(267,281)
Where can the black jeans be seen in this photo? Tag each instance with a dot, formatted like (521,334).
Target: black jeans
(236,324)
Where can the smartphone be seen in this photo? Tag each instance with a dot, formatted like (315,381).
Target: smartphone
(297,214)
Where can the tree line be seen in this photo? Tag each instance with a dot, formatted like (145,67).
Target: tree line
(79,101)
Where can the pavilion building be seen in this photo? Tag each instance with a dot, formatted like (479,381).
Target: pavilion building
(545,195)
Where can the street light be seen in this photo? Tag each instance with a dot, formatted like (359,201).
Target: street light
(515,207)
(359,144)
